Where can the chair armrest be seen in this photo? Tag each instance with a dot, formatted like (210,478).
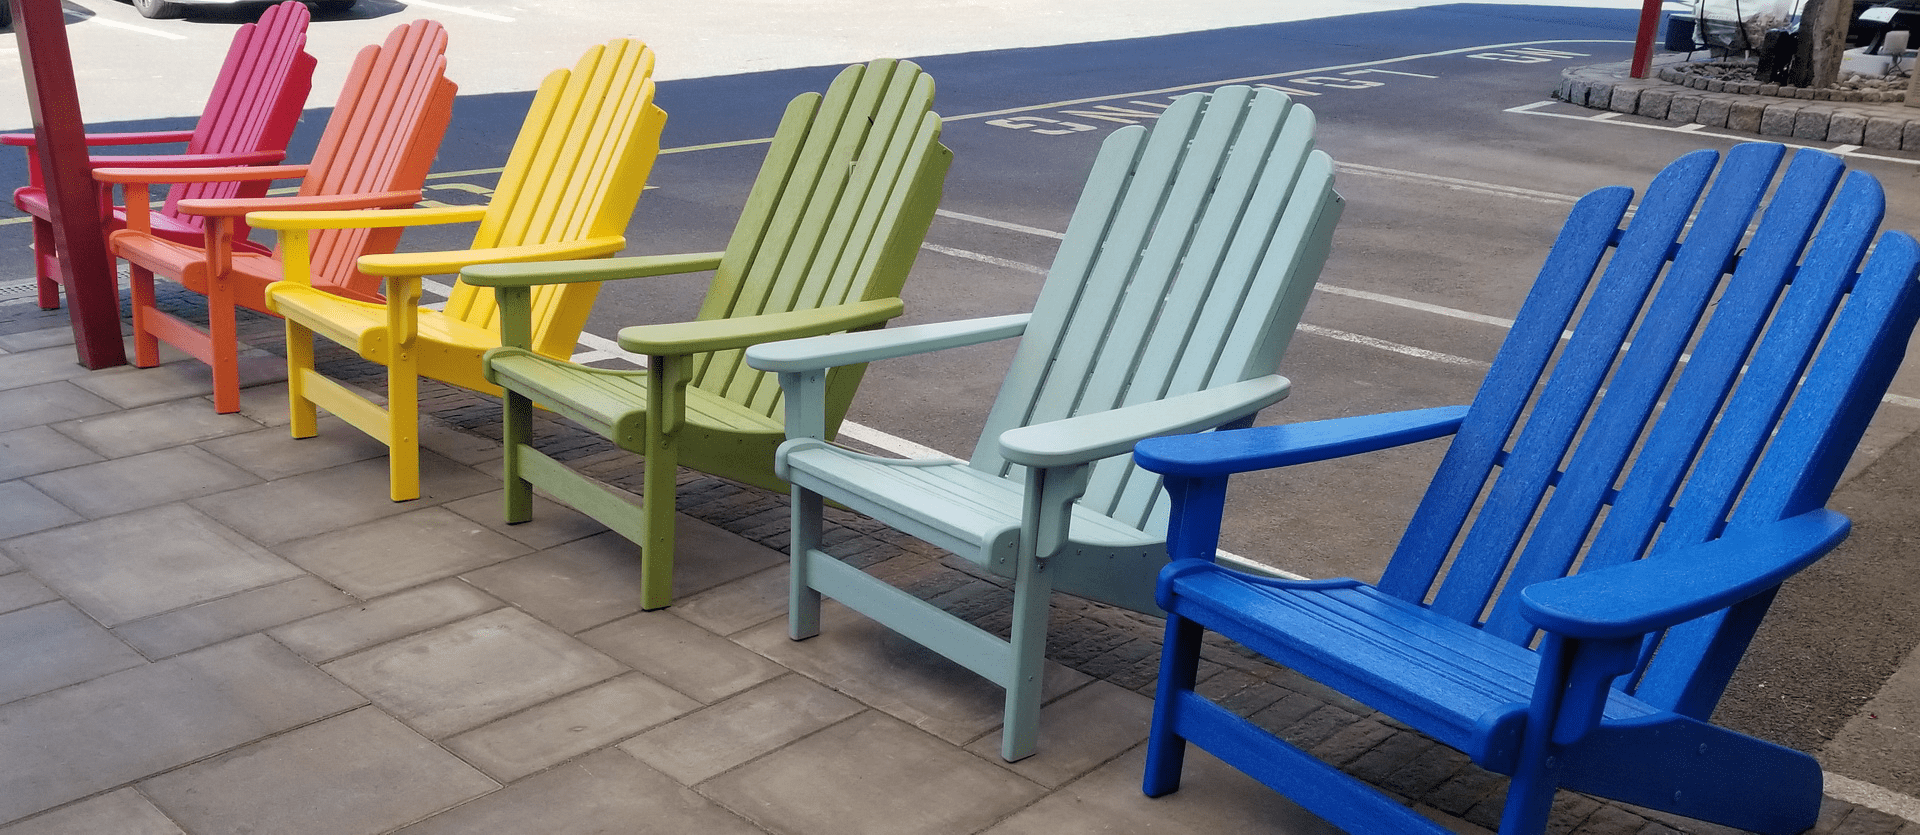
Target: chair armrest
(1266,447)
(199,175)
(155,137)
(187,160)
(1672,588)
(1091,437)
(605,269)
(819,352)
(453,261)
(680,338)
(360,219)
(235,207)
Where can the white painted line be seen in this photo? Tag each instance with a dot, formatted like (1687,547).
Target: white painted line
(1455,183)
(114,24)
(1410,304)
(1001,224)
(459,10)
(1209,85)
(1395,347)
(984,259)
(1842,787)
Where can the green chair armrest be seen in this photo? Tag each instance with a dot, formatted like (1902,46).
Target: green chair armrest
(1091,437)
(605,269)
(679,338)
(867,346)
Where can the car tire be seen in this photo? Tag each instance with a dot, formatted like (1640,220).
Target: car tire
(157,9)
(6,15)
(332,6)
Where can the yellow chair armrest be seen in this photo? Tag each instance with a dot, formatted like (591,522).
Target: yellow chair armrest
(442,263)
(380,219)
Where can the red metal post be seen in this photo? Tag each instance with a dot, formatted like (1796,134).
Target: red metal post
(1643,41)
(93,294)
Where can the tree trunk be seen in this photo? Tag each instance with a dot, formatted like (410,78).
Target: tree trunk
(1822,42)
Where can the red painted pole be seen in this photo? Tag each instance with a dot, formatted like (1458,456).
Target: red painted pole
(1643,41)
(60,145)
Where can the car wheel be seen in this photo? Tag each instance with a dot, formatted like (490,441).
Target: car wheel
(6,14)
(157,9)
(333,6)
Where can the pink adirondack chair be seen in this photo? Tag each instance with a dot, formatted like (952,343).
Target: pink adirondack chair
(248,119)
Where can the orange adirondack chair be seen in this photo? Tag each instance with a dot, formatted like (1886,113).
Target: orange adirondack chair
(249,117)
(382,136)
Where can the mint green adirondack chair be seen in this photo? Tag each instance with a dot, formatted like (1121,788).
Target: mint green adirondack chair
(829,232)
(1179,283)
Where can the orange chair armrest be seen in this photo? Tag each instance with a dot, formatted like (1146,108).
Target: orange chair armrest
(236,206)
(199,175)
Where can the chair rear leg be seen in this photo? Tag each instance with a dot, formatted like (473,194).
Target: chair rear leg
(1179,666)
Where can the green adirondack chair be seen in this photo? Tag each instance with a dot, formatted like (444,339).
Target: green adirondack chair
(1176,290)
(830,229)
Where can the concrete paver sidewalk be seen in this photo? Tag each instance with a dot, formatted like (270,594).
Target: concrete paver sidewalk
(206,626)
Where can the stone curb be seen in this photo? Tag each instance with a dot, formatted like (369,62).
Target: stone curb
(1743,108)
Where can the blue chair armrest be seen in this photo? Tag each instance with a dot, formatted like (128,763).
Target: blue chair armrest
(1672,588)
(1266,447)
(1091,437)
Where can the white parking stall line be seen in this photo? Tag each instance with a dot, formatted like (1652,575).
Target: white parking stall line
(1001,224)
(984,259)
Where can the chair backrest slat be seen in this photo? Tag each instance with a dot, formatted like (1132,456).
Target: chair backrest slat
(836,214)
(575,172)
(1674,407)
(1186,265)
(382,136)
(255,103)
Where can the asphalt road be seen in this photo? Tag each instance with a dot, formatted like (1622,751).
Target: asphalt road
(1457,170)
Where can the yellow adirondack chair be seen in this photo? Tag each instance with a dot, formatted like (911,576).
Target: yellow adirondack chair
(568,190)
(828,235)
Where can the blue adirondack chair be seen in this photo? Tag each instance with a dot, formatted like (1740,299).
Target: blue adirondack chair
(1609,524)
(1178,285)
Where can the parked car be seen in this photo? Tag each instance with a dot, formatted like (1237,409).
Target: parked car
(154,9)
(1905,14)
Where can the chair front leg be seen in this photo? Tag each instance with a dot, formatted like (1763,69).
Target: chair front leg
(803,600)
(146,346)
(46,264)
(221,325)
(403,389)
(666,414)
(1045,520)
(516,435)
(304,417)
